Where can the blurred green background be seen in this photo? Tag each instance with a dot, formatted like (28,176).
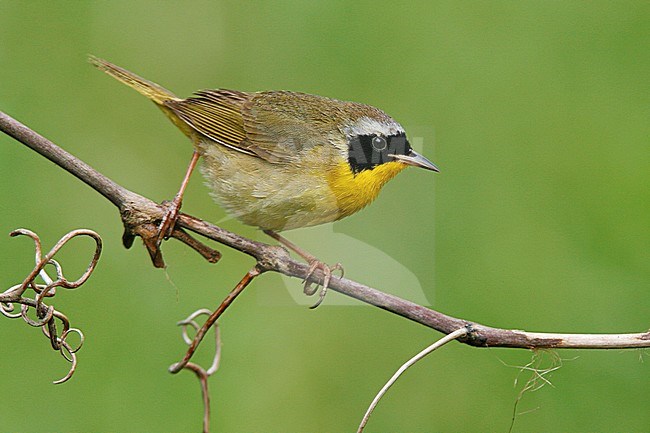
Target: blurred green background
(537,114)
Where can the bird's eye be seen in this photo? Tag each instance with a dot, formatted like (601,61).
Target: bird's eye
(379,143)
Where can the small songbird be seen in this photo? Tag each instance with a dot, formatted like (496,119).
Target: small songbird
(281,160)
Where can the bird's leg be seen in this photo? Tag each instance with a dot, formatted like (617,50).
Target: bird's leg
(173,208)
(314,264)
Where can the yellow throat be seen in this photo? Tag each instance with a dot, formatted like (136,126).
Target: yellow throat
(355,191)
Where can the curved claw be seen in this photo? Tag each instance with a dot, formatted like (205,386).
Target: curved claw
(168,221)
(327,276)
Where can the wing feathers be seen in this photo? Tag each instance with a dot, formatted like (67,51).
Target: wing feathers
(215,114)
(274,126)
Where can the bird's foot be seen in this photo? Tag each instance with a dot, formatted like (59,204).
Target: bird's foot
(314,264)
(168,221)
(327,271)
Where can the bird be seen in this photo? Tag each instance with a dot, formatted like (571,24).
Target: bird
(281,160)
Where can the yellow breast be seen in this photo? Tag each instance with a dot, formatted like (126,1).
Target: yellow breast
(355,191)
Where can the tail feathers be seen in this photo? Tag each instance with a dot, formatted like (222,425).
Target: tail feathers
(151,90)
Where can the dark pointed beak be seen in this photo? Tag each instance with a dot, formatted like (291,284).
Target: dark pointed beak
(416,160)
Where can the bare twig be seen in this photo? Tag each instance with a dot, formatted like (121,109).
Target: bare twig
(45,314)
(200,333)
(444,340)
(201,373)
(140,217)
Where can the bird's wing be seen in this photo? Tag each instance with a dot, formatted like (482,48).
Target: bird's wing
(281,125)
(224,116)
(215,114)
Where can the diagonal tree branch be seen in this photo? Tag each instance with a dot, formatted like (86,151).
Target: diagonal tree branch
(140,217)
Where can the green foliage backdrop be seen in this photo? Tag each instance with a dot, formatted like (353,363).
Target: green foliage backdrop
(537,114)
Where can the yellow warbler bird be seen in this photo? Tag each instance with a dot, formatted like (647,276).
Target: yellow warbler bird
(281,160)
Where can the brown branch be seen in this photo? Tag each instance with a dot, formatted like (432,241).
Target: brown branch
(141,215)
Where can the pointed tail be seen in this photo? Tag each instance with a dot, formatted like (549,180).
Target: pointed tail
(151,90)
